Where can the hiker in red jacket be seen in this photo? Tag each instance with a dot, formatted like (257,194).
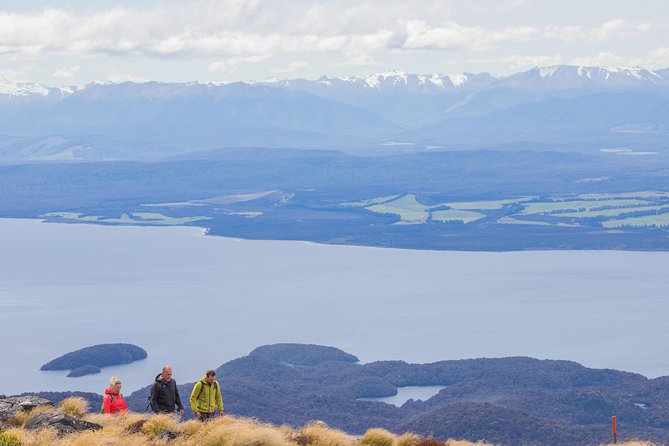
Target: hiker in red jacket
(113,402)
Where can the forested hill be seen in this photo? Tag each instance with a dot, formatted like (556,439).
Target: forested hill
(502,401)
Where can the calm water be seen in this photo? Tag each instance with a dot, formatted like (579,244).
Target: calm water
(197,302)
(407,393)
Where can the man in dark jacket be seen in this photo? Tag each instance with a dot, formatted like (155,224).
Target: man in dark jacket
(164,393)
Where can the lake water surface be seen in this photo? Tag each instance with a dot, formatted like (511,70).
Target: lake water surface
(196,302)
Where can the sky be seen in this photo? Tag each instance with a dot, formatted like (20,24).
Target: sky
(75,42)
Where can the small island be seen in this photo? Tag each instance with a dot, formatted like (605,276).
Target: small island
(90,360)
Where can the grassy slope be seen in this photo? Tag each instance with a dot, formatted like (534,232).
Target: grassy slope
(134,429)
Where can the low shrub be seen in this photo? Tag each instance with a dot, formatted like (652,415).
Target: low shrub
(7,439)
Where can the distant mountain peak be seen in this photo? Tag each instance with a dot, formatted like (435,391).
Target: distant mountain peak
(33,90)
(560,77)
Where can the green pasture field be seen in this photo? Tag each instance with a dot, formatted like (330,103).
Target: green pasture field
(456,215)
(486,205)
(641,194)
(513,221)
(648,221)
(141,218)
(409,210)
(549,207)
(612,212)
(371,201)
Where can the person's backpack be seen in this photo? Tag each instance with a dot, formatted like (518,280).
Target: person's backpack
(148,399)
(111,401)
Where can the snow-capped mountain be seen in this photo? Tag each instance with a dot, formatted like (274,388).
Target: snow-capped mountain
(391,82)
(32,89)
(557,105)
(566,77)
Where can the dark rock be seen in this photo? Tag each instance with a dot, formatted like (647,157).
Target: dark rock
(167,435)
(84,370)
(100,355)
(136,427)
(10,406)
(93,399)
(63,423)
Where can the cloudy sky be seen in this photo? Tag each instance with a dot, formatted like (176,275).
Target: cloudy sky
(73,42)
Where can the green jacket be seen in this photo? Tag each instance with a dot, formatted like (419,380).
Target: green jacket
(206,397)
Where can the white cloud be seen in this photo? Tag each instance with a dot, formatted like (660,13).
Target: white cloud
(602,59)
(610,30)
(67,72)
(658,58)
(618,29)
(291,68)
(10,76)
(362,60)
(451,35)
(360,33)
(520,63)
(125,77)
(231,64)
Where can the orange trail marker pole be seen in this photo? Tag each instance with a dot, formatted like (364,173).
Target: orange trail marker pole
(615,433)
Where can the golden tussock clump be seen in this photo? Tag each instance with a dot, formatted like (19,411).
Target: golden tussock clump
(377,437)
(318,433)
(158,423)
(22,417)
(74,406)
(231,431)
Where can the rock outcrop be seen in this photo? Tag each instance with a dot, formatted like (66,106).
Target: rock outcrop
(9,407)
(63,423)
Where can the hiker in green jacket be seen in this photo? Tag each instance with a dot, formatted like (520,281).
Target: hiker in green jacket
(206,398)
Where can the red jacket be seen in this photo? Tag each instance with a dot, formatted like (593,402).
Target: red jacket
(113,402)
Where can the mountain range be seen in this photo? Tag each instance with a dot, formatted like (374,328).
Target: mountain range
(562,107)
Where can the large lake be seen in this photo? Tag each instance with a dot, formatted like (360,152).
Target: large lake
(196,302)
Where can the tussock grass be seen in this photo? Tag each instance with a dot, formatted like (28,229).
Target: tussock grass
(135,429)
(191,428)
(23,416)
(74,406)
(433,442)
(158,423)
(377,437)
(229,431)
(318,433)
(414,440)
(407,440)
(634,443)
(42,437)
